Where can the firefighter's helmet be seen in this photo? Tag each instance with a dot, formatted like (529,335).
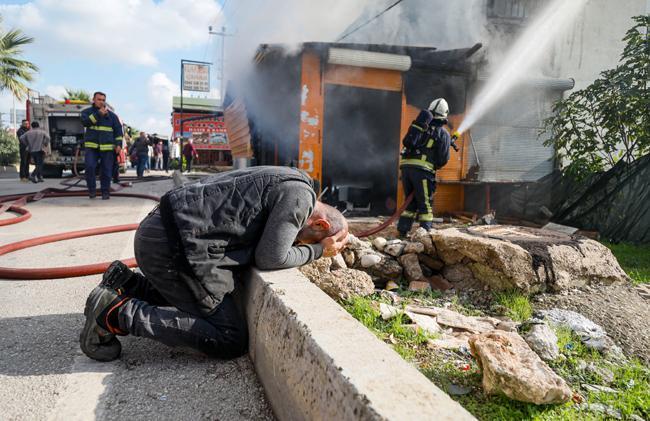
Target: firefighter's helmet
(439,108)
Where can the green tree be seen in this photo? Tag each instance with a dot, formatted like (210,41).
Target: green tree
(608,121)
(77,94)
(15,73)
(8,148)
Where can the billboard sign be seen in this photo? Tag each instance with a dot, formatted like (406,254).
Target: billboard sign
(196,77)
(209,133)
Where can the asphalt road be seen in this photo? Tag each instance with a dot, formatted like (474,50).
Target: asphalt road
(43,373)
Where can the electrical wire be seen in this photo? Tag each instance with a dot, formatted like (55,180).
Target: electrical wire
(347,34)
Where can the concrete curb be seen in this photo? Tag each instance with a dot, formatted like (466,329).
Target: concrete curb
(316,361)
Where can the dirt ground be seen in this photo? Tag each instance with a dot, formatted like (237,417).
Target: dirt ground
(619,309)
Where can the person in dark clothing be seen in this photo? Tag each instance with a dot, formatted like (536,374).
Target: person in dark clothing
(189,152)
(165,154)
(24,154)
(36,141)
(426,149)
(140,150)
(191,256)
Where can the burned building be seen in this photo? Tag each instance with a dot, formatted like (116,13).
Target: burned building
(339,112)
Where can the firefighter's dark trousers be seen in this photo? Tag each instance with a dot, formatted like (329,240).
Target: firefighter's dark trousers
(422,184)
(105,159)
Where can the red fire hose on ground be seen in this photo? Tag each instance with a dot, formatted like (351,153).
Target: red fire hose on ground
(389,221)
(57,272)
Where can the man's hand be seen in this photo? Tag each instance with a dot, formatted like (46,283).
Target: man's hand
(334,244)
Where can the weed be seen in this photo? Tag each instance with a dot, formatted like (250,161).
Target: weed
(635,260)
(517,304)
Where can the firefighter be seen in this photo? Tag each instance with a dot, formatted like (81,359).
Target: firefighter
(102,140)
(426,149)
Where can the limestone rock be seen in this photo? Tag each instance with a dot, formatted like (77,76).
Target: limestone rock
(355,243)
(391,286)
(431,262)
(343,284)
(394,249)
(369,260)
(379,243)
(426,323)
(543,341)
(457,273)
(317,268)
(510,367)
(413,247)
(422,236)
(590,334)
(451,342)
(338,262)
(411,264)
(526,259)
(388,311)
(440,283)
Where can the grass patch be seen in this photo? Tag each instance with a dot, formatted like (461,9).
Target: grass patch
(635,260)
(517,304)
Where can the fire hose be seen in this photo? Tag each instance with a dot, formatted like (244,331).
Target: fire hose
(389,221)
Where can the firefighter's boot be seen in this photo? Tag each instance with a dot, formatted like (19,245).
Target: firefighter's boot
(97,339)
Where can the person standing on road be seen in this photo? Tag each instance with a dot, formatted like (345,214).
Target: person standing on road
(189,152)
(175,153)
(191,257)
(165,154)
(140,150)
(36,142)
(157,151)
(24,154)
(102,140)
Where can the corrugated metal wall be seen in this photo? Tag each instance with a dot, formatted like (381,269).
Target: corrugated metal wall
(507,139)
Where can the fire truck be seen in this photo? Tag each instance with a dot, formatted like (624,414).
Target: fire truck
(61,119)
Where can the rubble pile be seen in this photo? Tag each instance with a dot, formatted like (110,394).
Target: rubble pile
(482,258)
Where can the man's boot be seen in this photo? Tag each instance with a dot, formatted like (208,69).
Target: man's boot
(97,339)
(116,276)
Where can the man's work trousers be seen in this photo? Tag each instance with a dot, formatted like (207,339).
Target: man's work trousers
(38,158)
(154,311)
(105,159)
(24,162)
(422,184)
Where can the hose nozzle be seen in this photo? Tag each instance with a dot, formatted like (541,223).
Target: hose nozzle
(455,135)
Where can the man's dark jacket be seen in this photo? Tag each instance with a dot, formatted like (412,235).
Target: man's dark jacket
(236,218)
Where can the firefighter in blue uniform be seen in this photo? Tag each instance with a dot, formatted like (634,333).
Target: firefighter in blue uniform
(102,140)
(426,149)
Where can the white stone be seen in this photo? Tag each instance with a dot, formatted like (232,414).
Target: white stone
(394,250)
(388,311)
(369,260)
(543,341)
(379,243)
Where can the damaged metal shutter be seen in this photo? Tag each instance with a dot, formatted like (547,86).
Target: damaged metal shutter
(507,138)
(369,59)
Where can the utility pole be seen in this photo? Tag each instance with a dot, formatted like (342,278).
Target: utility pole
(222,66)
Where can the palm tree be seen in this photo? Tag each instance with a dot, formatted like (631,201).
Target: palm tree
(15,73)
(77,94)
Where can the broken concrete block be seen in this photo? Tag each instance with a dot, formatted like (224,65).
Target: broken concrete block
(370,260)
(527,259)
(510,367)
(419,286)
(379,243)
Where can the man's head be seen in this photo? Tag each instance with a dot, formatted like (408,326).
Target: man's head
(324,222)
(24,124)
(99,99)
(143,135)
(35,125)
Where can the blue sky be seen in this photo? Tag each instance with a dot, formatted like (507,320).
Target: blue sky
(130,49)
